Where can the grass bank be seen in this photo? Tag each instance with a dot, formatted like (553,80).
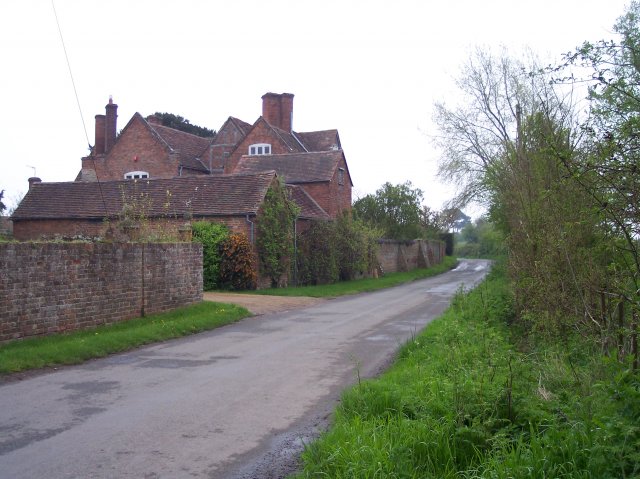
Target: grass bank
(361,285)
(468,398)
(79,346)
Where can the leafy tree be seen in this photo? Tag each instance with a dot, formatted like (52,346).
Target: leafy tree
(179,123)
(394,209)
(2,205)
(505,148)
(608,170)
(431,223)
(480,240)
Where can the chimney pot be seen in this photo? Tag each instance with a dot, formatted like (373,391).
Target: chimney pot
(33,180)
(111,124)
(98,148)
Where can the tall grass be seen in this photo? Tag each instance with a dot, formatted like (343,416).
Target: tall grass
(467,399)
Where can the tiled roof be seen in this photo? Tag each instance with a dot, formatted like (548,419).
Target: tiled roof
(241,125)
(218,195)
(290,140)
(294,167)
(309,209)
(189,147)
(326,140)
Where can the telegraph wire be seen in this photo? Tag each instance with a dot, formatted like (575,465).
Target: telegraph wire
(75,92)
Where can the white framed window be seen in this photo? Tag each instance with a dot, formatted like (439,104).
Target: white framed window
(341,176)
(260,149)
(134,175)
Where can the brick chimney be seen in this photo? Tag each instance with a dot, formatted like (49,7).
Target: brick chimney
(154,120)
(111,124)
(33,180)
(98,149)
(277,109)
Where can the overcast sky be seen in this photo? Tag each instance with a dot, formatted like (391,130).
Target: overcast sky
(371,69)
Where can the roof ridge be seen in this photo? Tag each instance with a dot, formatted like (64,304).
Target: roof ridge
(205,138)
(293,133)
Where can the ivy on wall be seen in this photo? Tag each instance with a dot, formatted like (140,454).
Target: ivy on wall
(275,232)
(212,236)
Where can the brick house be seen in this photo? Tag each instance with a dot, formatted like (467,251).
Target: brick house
(313,161)
(168,205)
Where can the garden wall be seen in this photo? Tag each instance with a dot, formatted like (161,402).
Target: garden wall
(53,287)
(394,256)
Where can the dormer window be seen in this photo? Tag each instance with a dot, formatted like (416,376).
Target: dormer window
(135,175)
(260,149)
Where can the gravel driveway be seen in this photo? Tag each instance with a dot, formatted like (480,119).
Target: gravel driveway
(260,304)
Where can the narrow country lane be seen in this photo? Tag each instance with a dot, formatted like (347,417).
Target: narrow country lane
(236,402)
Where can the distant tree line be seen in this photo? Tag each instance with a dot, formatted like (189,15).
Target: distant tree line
(179,123)
(397,212)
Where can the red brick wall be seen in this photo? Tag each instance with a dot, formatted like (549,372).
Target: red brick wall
(53,287)
(26,230)
(262,133)
(135,142)
(226,140)
(331,196)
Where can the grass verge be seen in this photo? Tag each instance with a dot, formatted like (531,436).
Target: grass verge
(468,399)
(361,285)
(79,346)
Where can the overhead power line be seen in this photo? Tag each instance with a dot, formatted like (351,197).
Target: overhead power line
(75,92)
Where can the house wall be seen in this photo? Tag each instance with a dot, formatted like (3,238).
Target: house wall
(49,288)
(331,196)
(137,149)
(394,256)
(261,133)
(27,230)
(226,140)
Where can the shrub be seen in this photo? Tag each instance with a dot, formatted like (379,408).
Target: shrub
(355,247)
(338,250)
(316,258)
(237,263)
(211,235)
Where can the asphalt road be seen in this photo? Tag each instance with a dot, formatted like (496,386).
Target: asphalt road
(237,402)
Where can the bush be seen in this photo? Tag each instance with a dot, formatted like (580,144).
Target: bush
(211,235)
(317,262)
(237,263)
(340,250)
(355,247)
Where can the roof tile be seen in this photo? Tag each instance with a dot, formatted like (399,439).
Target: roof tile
(217,195)
(294,167)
